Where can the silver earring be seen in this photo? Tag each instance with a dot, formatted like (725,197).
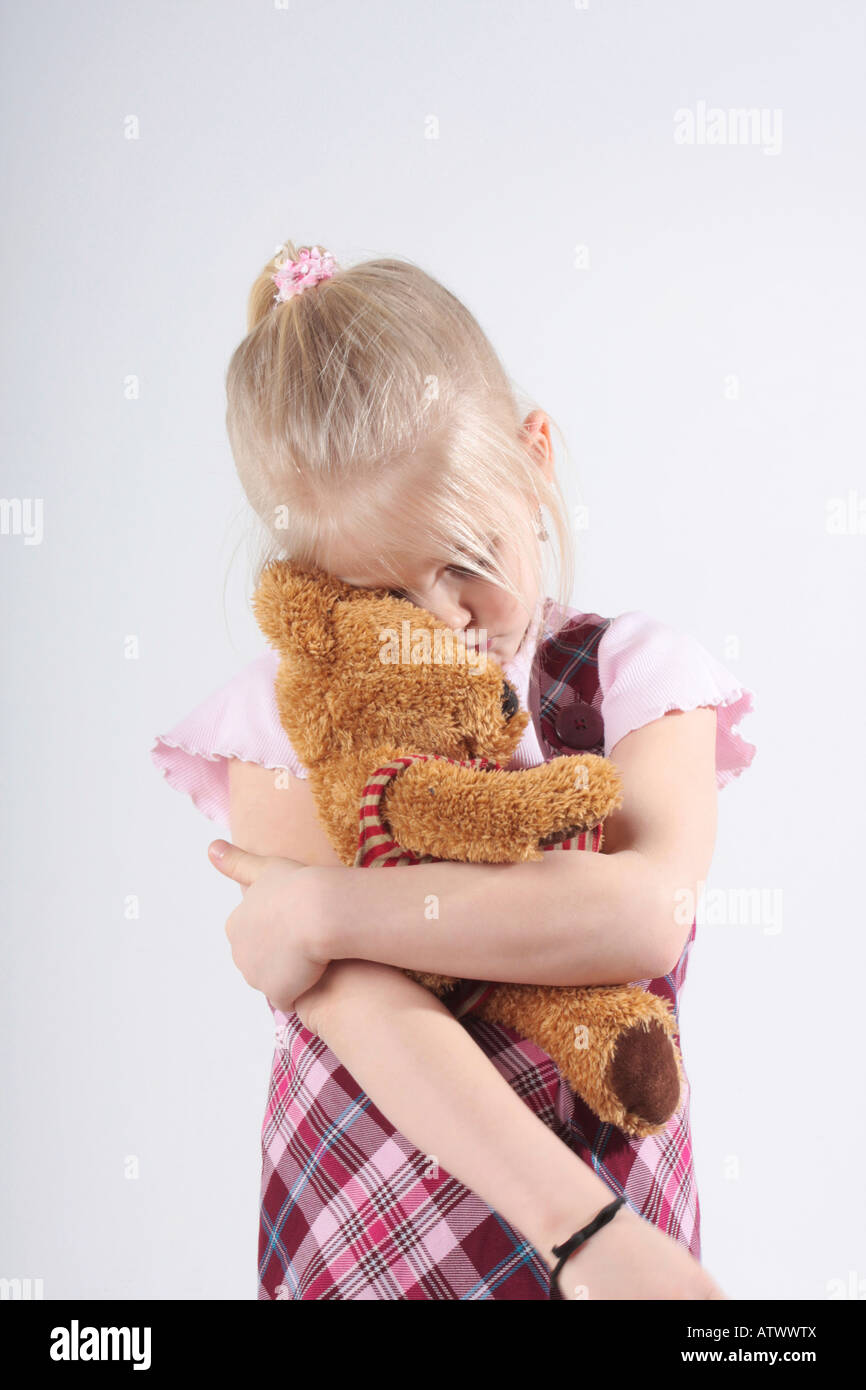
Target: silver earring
(540,529)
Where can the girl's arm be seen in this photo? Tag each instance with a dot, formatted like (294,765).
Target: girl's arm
(414,1059)
(436,1086)
(572,918)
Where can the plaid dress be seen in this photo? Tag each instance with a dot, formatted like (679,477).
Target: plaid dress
(350,1209)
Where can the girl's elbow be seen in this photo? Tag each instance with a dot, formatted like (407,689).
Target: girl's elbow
(671,931)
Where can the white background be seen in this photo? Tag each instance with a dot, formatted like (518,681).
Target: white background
(133,257)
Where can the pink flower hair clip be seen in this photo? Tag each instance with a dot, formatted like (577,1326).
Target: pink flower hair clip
(293,277)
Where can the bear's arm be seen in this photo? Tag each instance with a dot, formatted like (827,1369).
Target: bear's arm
(498,817)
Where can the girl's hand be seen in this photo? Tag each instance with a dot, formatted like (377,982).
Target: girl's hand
(270,931)
(632,1258)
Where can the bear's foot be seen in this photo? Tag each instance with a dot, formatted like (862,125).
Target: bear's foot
(644,1076)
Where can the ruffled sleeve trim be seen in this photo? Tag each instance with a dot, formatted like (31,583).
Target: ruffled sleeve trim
(647,667)
(239,720)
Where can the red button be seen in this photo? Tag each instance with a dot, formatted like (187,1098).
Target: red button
(579,725)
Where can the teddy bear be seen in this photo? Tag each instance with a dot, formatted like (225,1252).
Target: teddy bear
(406,756)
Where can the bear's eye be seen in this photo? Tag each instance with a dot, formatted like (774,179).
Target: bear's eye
(510,702)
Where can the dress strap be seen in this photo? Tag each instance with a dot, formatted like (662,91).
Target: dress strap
(564,693)
(564,698)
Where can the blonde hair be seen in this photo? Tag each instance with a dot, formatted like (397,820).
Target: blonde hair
(372,406)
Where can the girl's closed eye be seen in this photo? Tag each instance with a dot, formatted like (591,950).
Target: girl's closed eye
(483,561)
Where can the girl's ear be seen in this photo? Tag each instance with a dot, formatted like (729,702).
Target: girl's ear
(293,606)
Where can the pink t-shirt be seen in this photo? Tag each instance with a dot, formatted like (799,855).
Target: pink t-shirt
(645,668)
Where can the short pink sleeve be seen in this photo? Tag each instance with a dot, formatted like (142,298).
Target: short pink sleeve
(646,668)
(239,720)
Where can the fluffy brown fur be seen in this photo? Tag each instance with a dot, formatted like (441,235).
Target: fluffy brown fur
(348,712)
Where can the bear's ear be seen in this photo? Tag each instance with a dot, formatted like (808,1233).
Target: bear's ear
(293,606)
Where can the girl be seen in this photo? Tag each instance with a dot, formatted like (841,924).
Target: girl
(377,435)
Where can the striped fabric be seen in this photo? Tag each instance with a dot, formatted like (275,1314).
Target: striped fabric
(350,1209)
(376,846)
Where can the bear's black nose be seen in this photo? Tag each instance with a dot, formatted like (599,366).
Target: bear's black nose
(510,702)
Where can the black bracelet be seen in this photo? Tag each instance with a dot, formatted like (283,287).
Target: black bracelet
(563,1251)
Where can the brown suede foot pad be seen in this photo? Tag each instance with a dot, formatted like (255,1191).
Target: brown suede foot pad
(643,1073)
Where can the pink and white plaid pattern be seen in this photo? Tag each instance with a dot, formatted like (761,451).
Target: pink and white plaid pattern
(352,1210)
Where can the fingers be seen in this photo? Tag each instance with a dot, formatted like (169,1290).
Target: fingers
(235,863)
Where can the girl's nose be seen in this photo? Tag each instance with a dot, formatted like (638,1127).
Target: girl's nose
(458,619)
